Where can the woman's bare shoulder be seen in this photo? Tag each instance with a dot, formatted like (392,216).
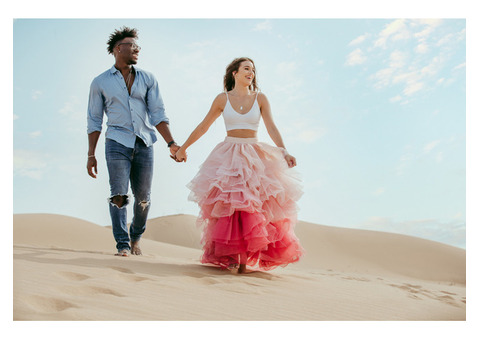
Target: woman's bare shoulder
(220,100)
(262,98)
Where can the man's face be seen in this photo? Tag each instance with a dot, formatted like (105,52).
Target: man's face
(127,50)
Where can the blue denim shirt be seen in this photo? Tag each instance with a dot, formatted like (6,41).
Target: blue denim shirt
(129,115)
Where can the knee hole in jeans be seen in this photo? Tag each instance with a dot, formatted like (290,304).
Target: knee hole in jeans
(119,200)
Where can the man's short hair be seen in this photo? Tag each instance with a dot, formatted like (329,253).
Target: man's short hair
(120,34)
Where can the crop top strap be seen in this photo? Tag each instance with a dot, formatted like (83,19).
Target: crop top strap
(226,95)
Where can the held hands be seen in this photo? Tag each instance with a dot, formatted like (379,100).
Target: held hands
(182,157)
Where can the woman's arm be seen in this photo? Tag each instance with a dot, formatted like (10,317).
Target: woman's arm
(215,111)
(272,128)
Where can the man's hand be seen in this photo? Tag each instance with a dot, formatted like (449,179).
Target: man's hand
(173,149)
(92,166)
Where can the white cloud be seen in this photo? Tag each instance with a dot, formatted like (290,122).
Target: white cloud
(417,55)
(15,117)
(439,157)
(389,75)
(287,66)
(36,94)
(459,67)
(433,68)
(451,38)
(412,154)
(359,40)
(263,26)
(73,116)
(413,87)
(395,30)
(356,57)
(422,48)
(429,26)
(28,164)
(430,146)
(379,191)
(405,160)
(310,135)
(289,83)
(395,99)
(35,134)
(398,59)
(70,107)
(383,77)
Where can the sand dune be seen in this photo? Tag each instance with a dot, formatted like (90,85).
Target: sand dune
(64,270)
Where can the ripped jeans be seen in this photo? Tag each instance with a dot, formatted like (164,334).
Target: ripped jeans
(135,166)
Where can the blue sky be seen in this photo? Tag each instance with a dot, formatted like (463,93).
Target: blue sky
(373,109)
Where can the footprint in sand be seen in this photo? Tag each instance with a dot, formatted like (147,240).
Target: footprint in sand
(132,278)
(416,290)
(122,270)
(407,287)
(203,278)
(447,299)
(73,276)
(448,293)
(362,279)
(89,290)
(48,305)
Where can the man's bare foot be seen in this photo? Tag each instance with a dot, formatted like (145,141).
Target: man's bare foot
(122,252)
(135,248)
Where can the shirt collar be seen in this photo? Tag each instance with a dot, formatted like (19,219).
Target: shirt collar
(113,70)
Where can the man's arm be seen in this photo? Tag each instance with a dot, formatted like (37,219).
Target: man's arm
(94,126)
(157,116)
(164,131)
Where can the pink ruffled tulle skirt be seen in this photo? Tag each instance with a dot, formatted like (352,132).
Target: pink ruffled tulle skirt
(247,195)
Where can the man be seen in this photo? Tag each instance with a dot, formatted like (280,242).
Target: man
(131,100)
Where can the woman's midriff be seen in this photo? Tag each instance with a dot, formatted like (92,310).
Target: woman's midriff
(242,133)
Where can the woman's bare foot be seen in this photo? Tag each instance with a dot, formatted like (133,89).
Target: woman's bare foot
(242,269)
(232,266)
(135,248)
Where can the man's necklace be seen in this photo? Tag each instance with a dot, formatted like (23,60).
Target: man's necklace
(129,78)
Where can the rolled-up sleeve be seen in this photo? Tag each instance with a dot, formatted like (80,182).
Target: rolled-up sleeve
(155,106)
(95,108)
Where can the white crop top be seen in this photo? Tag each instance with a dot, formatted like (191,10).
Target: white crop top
(234,120)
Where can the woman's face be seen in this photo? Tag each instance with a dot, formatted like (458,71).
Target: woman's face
(245,73)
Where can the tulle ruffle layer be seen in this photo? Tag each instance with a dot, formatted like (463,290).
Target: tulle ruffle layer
(247,195)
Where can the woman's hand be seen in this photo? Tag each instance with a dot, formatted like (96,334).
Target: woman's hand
(291,161)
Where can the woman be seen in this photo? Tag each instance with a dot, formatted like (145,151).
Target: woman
(245,189)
